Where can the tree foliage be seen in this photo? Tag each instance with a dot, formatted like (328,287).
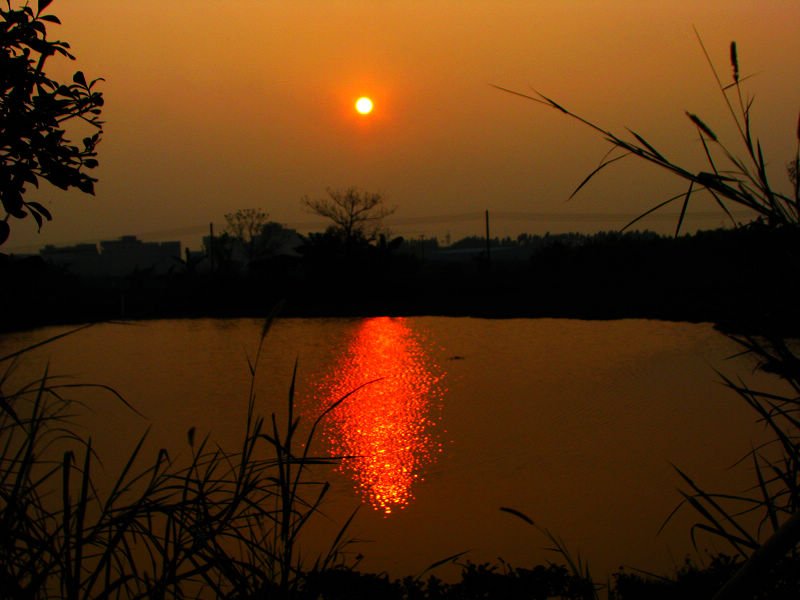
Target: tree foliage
(246,224)
(33,112)
(357,215)
(250,236)
(244,227)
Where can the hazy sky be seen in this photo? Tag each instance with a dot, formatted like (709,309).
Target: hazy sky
(216,106)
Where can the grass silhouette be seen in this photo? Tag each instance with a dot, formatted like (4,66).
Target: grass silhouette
(739,182)
(224,523)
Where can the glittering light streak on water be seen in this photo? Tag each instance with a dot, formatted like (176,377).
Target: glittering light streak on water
(387,428)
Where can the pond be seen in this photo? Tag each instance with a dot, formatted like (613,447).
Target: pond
(445,420)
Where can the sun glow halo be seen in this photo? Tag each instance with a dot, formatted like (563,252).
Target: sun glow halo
(364,105)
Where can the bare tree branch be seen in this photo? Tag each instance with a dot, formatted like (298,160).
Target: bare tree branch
(356,214)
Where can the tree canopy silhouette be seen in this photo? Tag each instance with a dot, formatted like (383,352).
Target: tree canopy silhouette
(245,226)
(251,237)
(357,215)
(33,112)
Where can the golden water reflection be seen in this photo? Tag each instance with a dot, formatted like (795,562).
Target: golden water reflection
(387,428)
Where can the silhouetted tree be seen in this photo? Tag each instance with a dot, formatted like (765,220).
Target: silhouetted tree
(33,111)
(357,215)
(245,226)
(250,237)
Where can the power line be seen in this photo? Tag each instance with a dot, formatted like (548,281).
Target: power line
(623,217)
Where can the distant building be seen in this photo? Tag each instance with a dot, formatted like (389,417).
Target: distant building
(81,259)
(115,257)
(128,254)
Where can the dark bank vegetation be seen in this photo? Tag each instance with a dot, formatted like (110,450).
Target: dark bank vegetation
(728,276)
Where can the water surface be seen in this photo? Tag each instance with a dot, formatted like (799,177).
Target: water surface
(574,423)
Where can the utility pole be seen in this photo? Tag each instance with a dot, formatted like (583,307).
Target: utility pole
(488,256)
(211,244)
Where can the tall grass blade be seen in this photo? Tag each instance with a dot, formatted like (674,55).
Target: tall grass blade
(709,499)
(652,210)
(702,126)
(683,208)
(439,563)
(577,566)
(603,164)
(765,495)
(519,515)
(6,408)
(69,584)
(644,142)
(44,342)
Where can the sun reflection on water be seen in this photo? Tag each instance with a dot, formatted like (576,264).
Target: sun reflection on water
(387,427)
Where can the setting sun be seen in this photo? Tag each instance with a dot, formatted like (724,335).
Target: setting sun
(364,105)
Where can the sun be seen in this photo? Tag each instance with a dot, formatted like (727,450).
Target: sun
(364,105)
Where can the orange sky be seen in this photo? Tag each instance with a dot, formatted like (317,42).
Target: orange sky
(216,106)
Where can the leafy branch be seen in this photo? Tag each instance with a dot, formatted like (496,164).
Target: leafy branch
(33,112)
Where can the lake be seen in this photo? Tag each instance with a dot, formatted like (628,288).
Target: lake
(574,423)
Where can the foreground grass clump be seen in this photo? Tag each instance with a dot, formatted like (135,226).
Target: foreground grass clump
(502,581)
(477,581)
(219,524)
(692,582)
